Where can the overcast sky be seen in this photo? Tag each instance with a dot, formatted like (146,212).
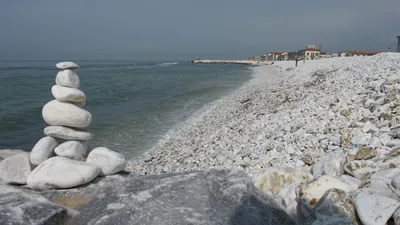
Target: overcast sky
(186,29)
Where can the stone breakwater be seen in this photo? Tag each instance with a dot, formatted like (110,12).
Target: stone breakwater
(241,62)
(62,158)
(324,136)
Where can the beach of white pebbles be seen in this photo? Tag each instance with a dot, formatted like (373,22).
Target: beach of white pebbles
(324,136)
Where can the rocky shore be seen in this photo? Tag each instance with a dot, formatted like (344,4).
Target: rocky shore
(313,144)
(324,136)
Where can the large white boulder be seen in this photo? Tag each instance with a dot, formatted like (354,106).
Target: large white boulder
(108,161)
(67,65)
(76,150)
(43,150)
(67,94)
(58,113)
(374,209)
(67,133)
(68,78)
(15,169)
(60,172)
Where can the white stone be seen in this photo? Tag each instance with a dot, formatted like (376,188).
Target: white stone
(288,194)
(375,142)
(15,169)
(76,150)
(367,127)
(67,94)
(361,169)
(5,153)
(396,182)
(67,65)
(353,182)
(394,142)
(374,209)
(43,150)
(385,139)
(108,161)
(67,133)
(331,164)
(387,174)
(59,172)
(68,78)
(57,113)
(310,193)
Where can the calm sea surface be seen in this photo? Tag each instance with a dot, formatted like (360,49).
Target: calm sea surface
(133,103)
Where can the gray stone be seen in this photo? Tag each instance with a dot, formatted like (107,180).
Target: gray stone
(15,169)
(335,207)
(67,133)
(43,150)
(375,142)
(66,65)
(21,207)
(215,197)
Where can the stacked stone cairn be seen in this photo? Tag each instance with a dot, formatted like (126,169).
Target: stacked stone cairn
(61,158)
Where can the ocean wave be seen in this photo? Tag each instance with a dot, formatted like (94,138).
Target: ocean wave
(167,64)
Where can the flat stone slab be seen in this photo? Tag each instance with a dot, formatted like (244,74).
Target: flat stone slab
(67,133)
(213,197)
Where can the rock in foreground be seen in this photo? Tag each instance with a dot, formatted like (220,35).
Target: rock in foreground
(59,172)
(216,197)
(27,208)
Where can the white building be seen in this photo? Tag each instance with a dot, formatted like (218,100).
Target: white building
(310,52)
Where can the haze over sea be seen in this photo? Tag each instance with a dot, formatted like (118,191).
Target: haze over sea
(133,103)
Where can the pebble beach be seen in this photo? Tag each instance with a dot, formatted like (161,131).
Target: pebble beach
(317,135)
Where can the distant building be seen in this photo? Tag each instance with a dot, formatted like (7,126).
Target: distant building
(292,55)
(257,58)
(325,55)
(309,53)
(398,43)
(349,53)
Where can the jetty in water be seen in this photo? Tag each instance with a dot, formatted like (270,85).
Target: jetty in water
(242,62)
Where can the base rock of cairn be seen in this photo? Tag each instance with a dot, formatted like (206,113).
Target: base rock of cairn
(60,156)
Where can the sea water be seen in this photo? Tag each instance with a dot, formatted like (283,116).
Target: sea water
(133,103)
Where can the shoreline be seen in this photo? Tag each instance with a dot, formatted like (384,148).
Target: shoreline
(210,113)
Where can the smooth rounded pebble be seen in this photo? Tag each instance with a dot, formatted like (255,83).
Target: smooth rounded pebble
(58,113)
(67,133)
(15,169)
(66,65)
(68,78)
(43,150)
(110,162)
(67,94)
(59,172)
(76,150)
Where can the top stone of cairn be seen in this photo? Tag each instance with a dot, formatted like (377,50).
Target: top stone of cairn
(67,65)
